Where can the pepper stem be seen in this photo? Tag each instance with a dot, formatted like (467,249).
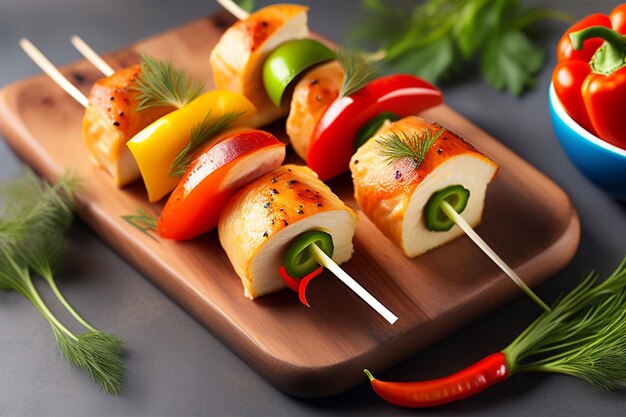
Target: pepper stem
(609,57)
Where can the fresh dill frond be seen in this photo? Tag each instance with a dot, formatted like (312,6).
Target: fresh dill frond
(34,218)
(100,353)
(201,134)
(28,196)
(142,221)
(358,70)
(404,145)
(160,84)
(583,336)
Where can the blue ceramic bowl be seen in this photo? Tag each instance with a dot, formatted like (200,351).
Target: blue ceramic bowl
(604,164)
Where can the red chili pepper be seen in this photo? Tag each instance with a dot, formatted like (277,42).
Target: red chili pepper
(299,285)
(590,79)
(332,144)
(469,381)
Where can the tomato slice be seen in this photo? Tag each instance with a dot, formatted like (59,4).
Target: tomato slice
(332,144)
(215,175)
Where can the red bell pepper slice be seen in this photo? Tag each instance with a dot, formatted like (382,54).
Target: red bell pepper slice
(215,175)
(332,144)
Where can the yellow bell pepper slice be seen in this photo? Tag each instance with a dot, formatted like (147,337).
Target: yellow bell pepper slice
(157,145)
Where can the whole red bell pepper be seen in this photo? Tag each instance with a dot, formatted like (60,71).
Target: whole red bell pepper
(590,79)
(332,144)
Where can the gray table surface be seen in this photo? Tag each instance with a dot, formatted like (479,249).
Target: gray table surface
(175,366)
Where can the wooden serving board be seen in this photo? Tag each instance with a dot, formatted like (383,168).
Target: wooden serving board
(318,351)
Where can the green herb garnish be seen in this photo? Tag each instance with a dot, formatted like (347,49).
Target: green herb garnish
(201,134)
(160,84)
(33,221)
(142,221)
(403,145)
(358,70)
(583,336)
(440,40)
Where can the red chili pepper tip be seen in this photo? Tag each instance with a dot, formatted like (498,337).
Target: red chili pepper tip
(304,283)
(299,285)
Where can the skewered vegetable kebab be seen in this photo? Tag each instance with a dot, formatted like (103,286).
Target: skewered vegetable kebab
(197,119)
(111,140)
(325,127)
(126,106)
(262,225)
(214,175)
(265,53)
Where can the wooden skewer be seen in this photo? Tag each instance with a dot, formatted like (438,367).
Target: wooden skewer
(353,285)
(471,233)
(92,56)
(234,9)
(52,71)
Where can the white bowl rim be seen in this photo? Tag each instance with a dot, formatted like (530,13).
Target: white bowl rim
(558,108)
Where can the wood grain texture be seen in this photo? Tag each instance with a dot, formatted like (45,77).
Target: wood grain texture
(318,351)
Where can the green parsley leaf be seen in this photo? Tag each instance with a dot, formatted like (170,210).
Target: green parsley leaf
(510,62)
(432,62)
(443,40)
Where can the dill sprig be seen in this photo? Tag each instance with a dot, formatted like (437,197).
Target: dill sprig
(358,70)
(201,134)
(583,336)
(161,84)
(34,218)
(404,145)
(142,221)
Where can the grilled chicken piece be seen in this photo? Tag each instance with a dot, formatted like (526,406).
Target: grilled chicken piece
(111,119)
(312,95)
(237,59)
(262,219)
(393,195)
